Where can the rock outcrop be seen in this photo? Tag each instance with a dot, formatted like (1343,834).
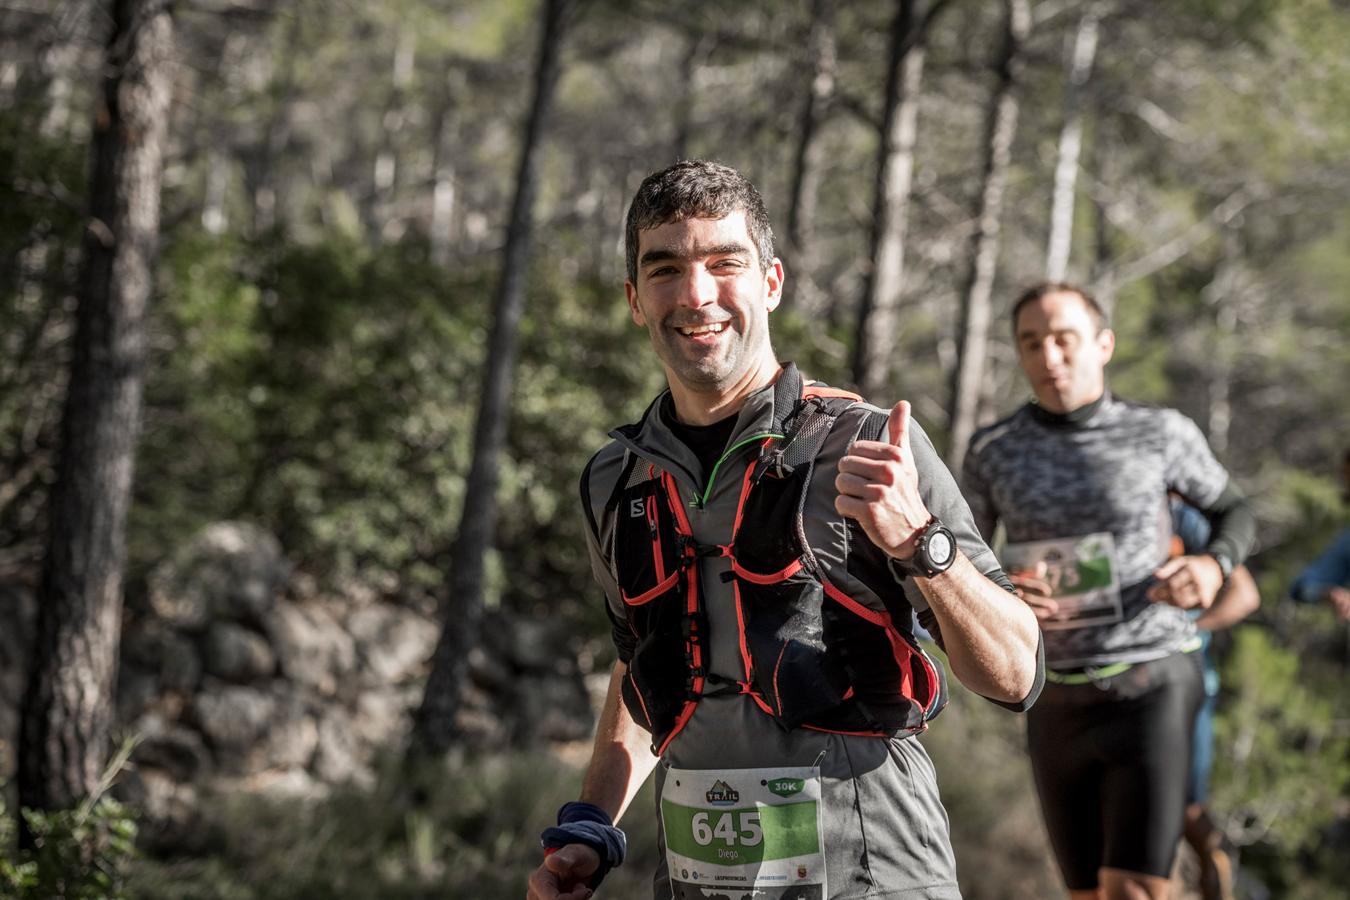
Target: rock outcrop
(235,674)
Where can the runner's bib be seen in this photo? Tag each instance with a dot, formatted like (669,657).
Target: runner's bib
(1083,577)
(744,833)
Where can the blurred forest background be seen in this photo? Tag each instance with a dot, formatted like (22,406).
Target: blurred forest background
(352,302)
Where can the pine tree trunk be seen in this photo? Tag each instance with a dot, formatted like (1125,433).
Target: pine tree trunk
(878,312)
(1070,146)
(66,712)
(973,331)
(434,728)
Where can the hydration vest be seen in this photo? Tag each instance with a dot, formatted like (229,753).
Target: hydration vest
(811,656)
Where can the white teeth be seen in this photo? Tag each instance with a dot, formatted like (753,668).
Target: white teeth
(713,328)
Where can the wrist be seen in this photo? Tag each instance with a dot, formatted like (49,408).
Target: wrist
(1224,562)
(586,823)
(933,550)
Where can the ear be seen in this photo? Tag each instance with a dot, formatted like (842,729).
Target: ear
(1106,342)
(631,291)
(773,282)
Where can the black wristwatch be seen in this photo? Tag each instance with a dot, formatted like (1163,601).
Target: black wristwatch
(934,553)
(1225,563)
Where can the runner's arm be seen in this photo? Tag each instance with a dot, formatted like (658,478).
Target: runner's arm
(620,762)
(1234,525)
(622,757)
(990,637)
(892,488)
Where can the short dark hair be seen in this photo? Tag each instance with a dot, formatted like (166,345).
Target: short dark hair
(1046,288)
(696,189)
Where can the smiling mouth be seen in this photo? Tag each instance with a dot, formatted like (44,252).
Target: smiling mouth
(696,330)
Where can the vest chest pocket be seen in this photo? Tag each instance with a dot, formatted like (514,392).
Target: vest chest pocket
(653,566)
(647,553)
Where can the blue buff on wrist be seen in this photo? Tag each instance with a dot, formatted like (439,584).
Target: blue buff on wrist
(586,823)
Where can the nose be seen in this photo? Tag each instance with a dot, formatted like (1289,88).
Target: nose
(700,288)
(1051,353)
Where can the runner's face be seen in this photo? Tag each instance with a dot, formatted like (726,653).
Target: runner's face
(705,301)
(1062,351)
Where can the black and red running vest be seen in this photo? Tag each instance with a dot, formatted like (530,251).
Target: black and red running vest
(811,656)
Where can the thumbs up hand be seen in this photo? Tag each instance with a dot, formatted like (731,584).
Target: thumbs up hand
(878,486)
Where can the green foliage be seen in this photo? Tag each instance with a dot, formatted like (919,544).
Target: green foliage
(1287,757)
(77,854)
(323,391)
(40,232)
(466,829)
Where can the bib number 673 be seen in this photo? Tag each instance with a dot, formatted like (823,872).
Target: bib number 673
(730,828)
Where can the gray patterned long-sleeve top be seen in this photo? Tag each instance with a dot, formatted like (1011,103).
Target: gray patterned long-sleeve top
(1104,469)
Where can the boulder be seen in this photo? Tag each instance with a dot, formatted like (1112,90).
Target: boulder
(233,719)
(230,570)
(168,811)
(238,654)
(290,738)
(382,716)
(553,709)
(535,644)
(137,692)
(312,648)
(169,657)
(174,750)
(394,643)
(338,758)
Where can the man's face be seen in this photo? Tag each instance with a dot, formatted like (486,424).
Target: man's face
(705,300)
(1062,351)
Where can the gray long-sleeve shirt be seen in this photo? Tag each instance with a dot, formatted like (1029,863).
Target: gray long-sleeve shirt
(1050,477)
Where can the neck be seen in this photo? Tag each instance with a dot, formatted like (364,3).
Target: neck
(696,407)
(1078,414)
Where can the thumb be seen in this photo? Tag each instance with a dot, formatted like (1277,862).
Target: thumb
(897,426)
(1170,568)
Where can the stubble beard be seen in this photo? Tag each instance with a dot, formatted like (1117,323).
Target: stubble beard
(707,372)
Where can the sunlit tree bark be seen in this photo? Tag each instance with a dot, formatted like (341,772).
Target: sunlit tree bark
(973,331)
(1078,70)
(878,312)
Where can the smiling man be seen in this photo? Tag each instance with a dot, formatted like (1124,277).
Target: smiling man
(1080,480)
(762,541)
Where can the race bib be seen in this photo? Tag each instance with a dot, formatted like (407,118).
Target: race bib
(1082,574)
(744,833)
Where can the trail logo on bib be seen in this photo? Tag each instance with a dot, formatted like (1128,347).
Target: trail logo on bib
(786,787)
(722,794)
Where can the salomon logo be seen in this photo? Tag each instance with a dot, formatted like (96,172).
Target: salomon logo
(636,509)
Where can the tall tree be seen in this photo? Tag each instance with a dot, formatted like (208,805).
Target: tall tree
(878,311)
(806,163)
(973,331)
(67,706)
(434,728)
(1078,69)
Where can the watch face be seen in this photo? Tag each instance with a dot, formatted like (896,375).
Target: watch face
(940,547)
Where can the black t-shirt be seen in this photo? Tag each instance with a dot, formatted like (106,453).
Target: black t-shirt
(707,441)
